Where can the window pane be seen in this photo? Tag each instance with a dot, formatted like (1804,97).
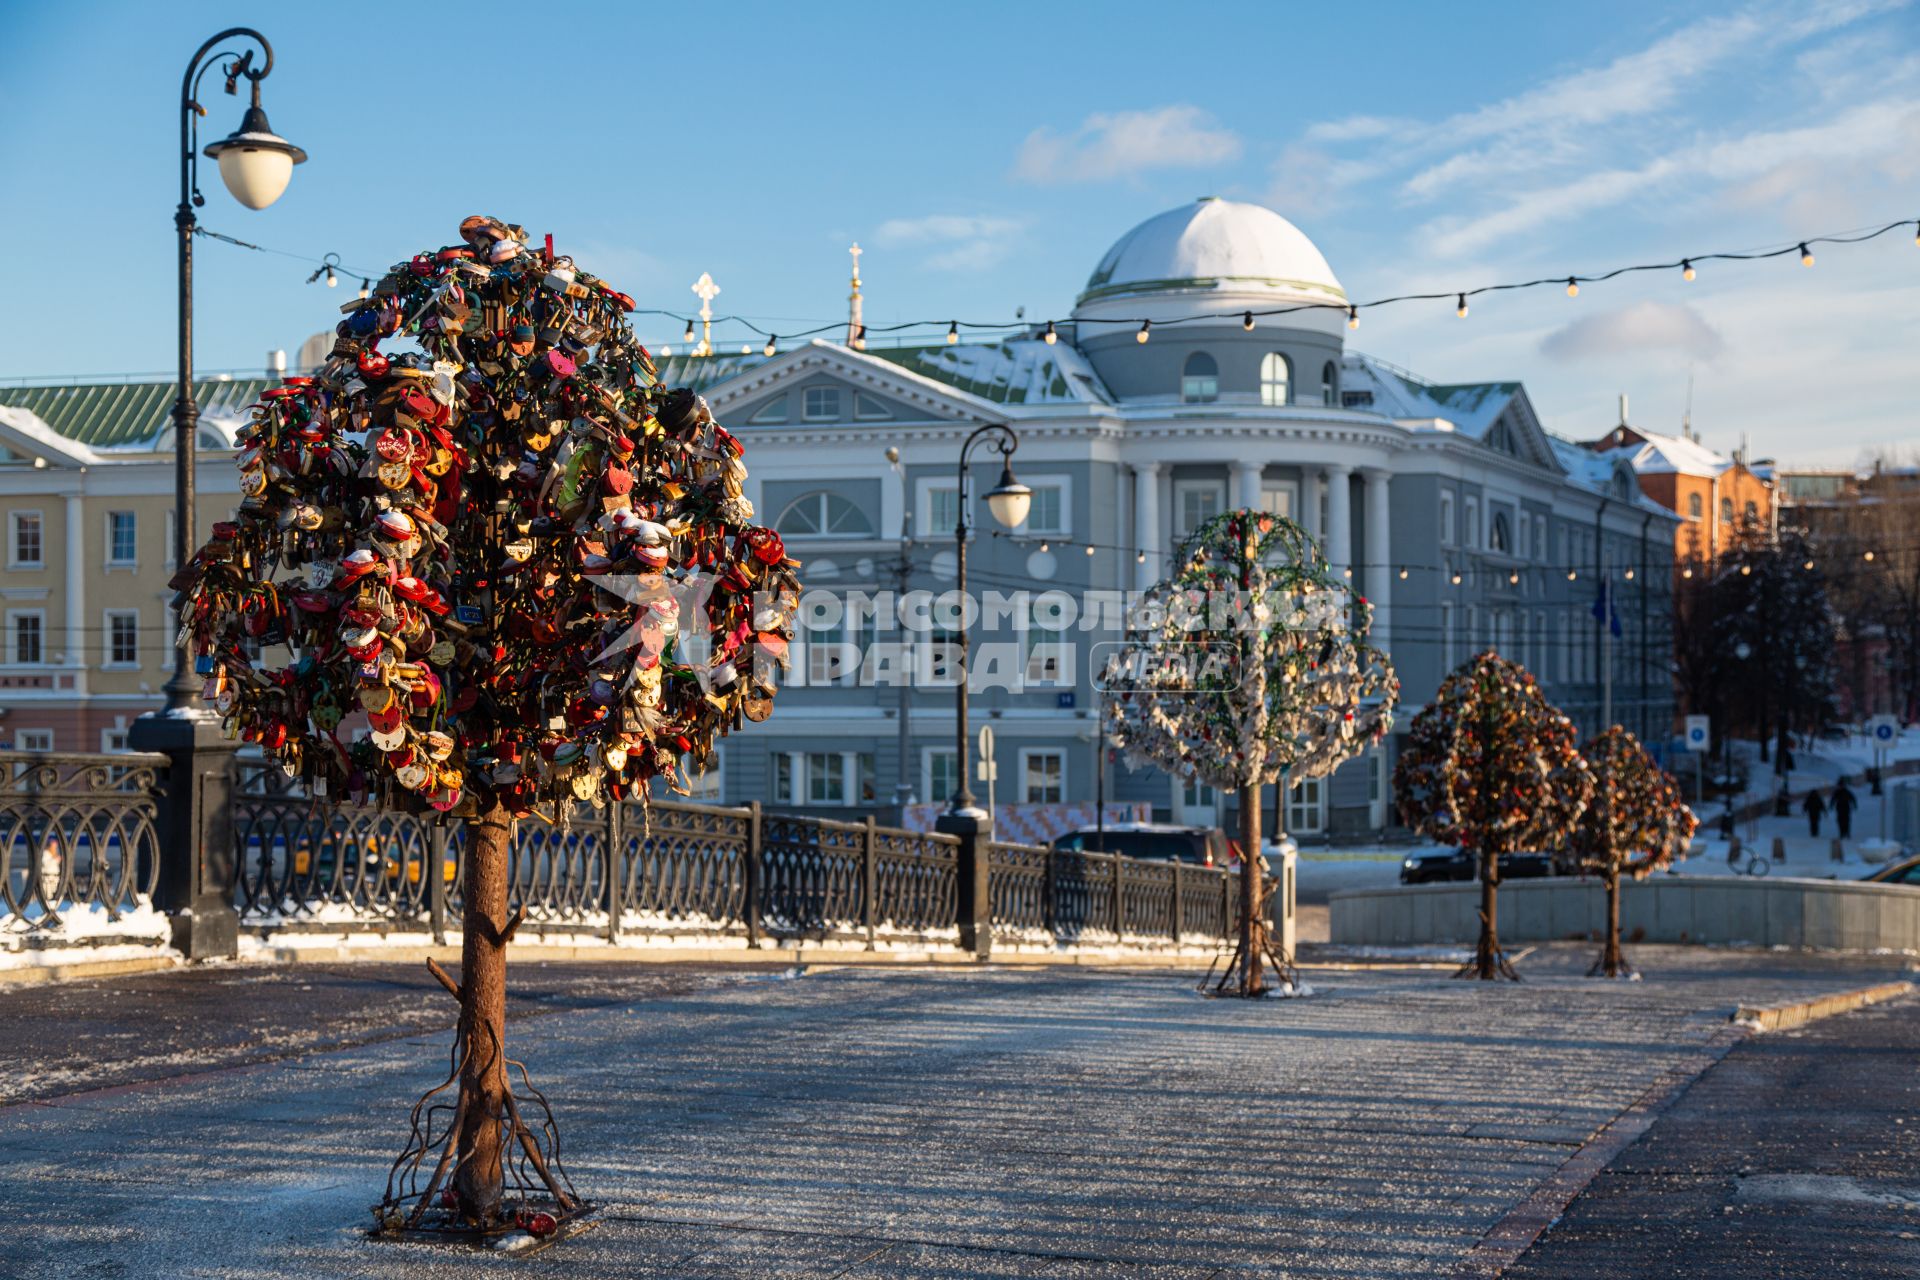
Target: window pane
(1275,374)
(26,638)
(827,778)
(125,543)
(26,539)
(845,518)
(943,775)
(944,510)
(823,402)
(1200,380)
(1044,514)
(123,638)
(1044,777)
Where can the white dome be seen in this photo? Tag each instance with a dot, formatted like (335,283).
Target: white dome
(1214,248)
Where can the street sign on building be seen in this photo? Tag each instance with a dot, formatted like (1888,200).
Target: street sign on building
(1699,732)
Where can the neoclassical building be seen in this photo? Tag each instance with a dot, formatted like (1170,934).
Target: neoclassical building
(1462,521)
(1457,515)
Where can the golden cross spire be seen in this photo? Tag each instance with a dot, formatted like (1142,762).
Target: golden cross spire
(706,290)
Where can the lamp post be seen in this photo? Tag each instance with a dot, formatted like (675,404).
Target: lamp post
(1008,500)
(255,163)
(903,569)
(193,825)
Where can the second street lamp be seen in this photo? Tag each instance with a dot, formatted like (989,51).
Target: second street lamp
(1008,501)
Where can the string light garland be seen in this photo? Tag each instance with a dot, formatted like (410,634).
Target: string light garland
(1686,266)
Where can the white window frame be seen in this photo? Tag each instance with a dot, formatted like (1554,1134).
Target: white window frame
(923,521)
(1329,385)
(1267,384)
(878,413)
(123,562)
(807,413)
(114,739)
(1060,527)
(33,739)
(1191,382)
(929,793)
(14,520)
(1280,498)
(1181,488)
(107,619)
(773,413)
(854,768)
(1029,756)
(13,620)
(1446,518)
(825,497)
(1307,807)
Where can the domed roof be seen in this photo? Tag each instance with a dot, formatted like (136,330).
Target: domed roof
(1217,246)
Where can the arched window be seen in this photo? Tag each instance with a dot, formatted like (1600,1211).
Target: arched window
(1276,371)
(823,514)
(1500,536)
(1752,514)
(1329,384)
(1694,505)
(1726,511)
(1200,379)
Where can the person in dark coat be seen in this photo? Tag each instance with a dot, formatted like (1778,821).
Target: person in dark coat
(1843,804)
(1813,806)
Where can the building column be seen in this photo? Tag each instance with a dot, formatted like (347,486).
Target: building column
(1146,524)
(1246,485)
(75,591)
(1339,538)
(1379,573)
(1309,514)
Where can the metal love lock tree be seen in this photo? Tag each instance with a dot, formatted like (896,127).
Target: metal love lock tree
(1491,766)
(1249,666)
(510,574)
(1635,826)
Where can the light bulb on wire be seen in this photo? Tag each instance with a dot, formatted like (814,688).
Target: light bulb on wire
(1573,287)
(1806,256)
(688,335)
(1353,317)
(1808,566)
(1868,557)
(860,338)
(1089,550)
(1573,575)
(1049,337)
(1141,558)
(1246,321)
(953,332)
(1146,328)
(1461,309)
(1686,269)
(1629,575)
(1403,575)
(366,288)
(769,348)
(1746,571)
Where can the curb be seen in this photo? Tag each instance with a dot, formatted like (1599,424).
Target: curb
(1527,1221)
(536,953)
(1780,1017)
(42,974)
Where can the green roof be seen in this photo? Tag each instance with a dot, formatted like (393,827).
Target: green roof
(697,373)
(106,415)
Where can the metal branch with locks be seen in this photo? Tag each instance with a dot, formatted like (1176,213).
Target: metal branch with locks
(510,573)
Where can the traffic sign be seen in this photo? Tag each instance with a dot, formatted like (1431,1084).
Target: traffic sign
(1699,732)
(1883,730)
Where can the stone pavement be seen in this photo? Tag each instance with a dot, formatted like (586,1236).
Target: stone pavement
(1798,1155)
(859,1123)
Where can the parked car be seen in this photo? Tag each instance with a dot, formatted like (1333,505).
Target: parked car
(1153,842)
(1459,864)
(1899,871)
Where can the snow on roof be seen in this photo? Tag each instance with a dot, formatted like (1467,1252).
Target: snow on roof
(1674,455)
(1585,468)
(1471,407)
(1017,371)
(51,443)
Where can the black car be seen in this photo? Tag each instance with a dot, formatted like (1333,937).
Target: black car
(1459,864)
(1153,842)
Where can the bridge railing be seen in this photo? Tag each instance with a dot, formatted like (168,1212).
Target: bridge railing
(79,858)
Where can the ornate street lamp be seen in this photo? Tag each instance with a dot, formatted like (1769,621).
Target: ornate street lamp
(255,164)
(1008,501)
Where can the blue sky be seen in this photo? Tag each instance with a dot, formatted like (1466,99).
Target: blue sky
(984,155)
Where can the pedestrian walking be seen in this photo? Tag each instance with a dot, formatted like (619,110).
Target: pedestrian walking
(1843,805)
(1813,806)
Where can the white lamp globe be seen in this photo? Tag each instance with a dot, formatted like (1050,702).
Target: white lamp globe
(1009,499)
(255,162)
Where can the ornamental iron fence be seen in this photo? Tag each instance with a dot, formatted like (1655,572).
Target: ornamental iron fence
(80,831)
(78,851)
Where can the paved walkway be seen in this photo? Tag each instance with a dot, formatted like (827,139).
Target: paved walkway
(857,1123)
(1798,1155)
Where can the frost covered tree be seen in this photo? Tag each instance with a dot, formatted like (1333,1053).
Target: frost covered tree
(1249,666)
(1636,825)
(1492,767)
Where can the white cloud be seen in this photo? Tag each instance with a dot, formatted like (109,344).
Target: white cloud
(1663,328)
(959,242)
(1120,144)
